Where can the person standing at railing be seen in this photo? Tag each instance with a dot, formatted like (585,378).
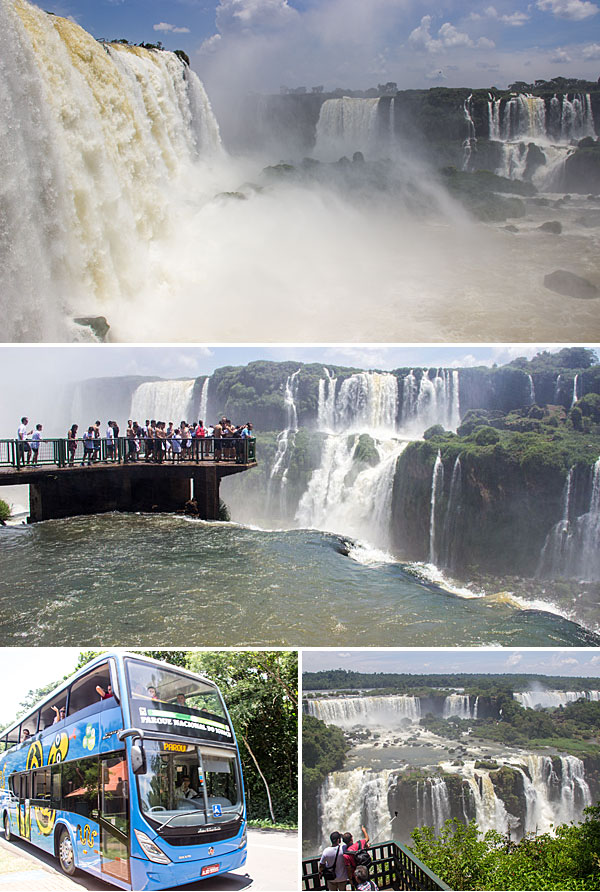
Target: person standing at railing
(110,442)
(36,439)
(97,439)
(332,866)
(217,445)
(23,446)
(89,446)
(72,443)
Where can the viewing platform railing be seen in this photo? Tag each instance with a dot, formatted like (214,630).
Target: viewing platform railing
(63,453)
(393,867)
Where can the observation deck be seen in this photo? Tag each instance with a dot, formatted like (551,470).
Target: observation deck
(65,482)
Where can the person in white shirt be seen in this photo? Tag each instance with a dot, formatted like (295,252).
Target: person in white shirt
(185,791)
(36,438)
(23,445)
(110,442)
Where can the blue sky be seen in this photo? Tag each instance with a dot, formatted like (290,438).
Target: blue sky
(262,44)
(571,662)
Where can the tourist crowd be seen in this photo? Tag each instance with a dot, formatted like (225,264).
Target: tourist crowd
(346,863)
(155,441)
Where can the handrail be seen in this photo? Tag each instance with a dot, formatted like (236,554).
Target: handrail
(393,867)
(61,452)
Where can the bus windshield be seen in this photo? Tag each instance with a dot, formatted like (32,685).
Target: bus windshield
(188,785)
(165,700)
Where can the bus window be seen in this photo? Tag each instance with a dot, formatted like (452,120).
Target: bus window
(41,784)
(29,726)
(221,780)
(84,691)
(54,711)
(12,737)
(80,786)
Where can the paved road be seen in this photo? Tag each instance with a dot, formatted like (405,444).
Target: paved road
(272,866)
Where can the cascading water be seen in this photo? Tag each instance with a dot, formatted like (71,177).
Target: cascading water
(560,796)
(531,390)
(470,140)
(366,401)
(350,711)
(435,400)
(95,135)
(162,401)
(346,126)
(458,705)
(450,532)
(437,482)
(352,799)
(575,397)
(285,443)
(203,411)
(571,548)
(552,699)
(433,803)
(326,404)
(552,126)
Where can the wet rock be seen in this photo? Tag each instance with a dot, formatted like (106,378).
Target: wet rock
(98,325)
(590,219)
(510,228)
(563,282)
(551,226)
(191,508)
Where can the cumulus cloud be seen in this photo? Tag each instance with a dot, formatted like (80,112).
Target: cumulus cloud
(448,37)
(174,29)
(514,659)
(514,19)
(575,10)
(560,56)
(234,16)
(591,52)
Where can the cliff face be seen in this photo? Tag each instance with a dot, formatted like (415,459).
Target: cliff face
(497,518)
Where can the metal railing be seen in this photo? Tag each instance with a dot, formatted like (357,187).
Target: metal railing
(62,453)
(393,867)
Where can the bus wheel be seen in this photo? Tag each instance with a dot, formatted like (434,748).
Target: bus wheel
(7,833)
(65,853)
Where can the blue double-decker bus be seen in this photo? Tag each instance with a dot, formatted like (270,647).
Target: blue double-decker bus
(129,770)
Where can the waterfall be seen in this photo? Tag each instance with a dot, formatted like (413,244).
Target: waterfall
(531,390)
(367,401)
(470,139)
(490,811)
(346,126)
(285,443)
(571,548)
(351,799)
(95,137)
(326,405)
(552,699)
(458,705)
(524,119)
(436,400)
(574,398)
(368,711)
(204,401)
(339,500)
(559,797)
(162,401)
(437,482)
(451,524)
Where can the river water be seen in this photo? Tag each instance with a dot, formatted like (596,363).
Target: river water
(162,579)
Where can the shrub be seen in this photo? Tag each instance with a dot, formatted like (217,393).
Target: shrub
(4,511)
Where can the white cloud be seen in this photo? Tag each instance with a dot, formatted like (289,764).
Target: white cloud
(485,43)
(234,16)
(575,10)
(211,44)
(448,37)
(514,19)
(514,659)
(436,76)
(591,52)
(560,56)
(174,29)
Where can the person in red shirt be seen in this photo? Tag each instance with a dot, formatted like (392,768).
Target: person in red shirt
(350,848)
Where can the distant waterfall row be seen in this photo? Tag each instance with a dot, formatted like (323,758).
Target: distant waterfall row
(571,549)
(533,118)
(547,791)
(169,401)
(94,135)
(379,401)
(553,699)
(346,126)
(387,711)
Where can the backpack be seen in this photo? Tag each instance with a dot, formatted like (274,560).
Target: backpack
(362,857)
(330,871)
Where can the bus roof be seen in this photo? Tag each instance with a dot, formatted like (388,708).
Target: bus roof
(101,658)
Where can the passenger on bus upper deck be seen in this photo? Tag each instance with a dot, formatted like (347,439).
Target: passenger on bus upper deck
(104,694)
(60,714)
(25,734)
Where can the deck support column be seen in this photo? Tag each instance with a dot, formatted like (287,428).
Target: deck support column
(206,493)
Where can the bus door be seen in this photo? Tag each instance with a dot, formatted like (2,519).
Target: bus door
(24,808)
(114,816)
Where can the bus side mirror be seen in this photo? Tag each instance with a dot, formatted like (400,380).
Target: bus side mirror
(138,759)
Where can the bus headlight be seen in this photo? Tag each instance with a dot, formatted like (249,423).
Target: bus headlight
(151,850)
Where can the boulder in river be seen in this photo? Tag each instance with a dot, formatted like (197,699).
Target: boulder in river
(571,285)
